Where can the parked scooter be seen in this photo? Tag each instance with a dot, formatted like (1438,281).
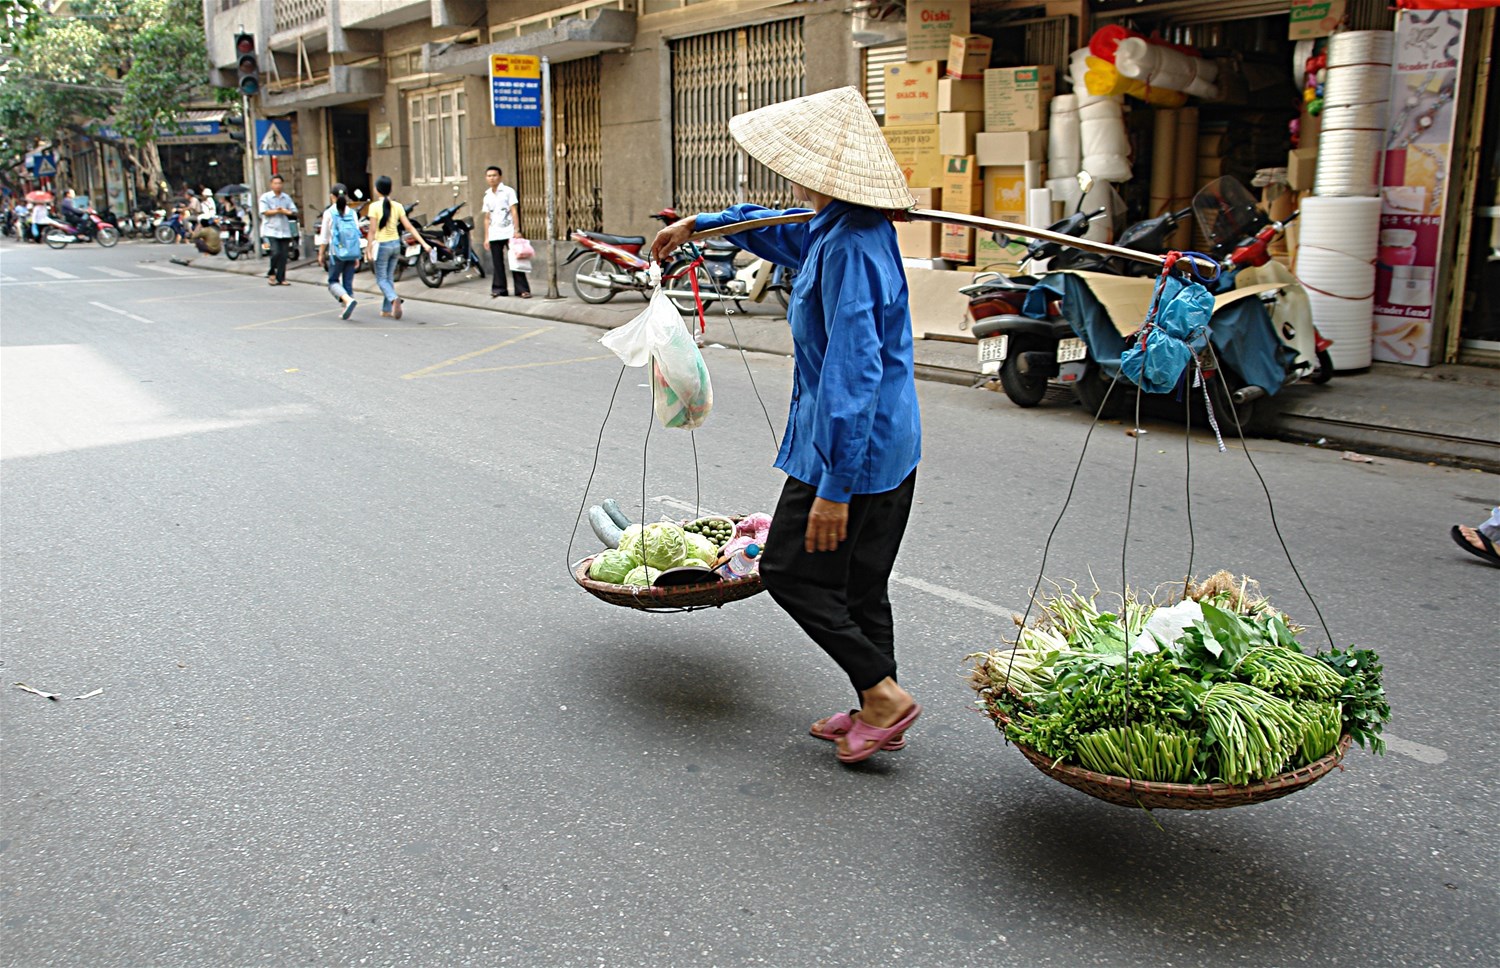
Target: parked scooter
(411,251)
(235,237)
(171,228)
(449,237)
(613,264)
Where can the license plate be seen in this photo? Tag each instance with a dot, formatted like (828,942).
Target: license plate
(1069,350)
(992,349)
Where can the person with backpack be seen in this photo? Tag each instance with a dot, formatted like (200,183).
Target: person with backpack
(341,246)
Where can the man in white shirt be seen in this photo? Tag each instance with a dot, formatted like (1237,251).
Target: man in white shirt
(501,216)
(276,211)
(209,209)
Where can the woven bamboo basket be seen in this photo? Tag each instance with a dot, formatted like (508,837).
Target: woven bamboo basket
(1148,795)
(680,598)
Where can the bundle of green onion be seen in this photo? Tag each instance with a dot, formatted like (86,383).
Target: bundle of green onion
(1213,688)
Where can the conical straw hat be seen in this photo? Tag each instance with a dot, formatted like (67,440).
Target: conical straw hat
(829,143)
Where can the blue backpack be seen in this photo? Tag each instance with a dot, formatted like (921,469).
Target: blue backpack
(343,235)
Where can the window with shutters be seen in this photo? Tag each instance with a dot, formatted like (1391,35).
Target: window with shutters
(876,61)
(437,120)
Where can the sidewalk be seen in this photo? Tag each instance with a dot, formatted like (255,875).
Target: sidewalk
(1447,414)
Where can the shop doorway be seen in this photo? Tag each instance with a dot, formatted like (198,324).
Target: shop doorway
(350,135)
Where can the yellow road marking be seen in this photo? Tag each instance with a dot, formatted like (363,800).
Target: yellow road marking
(195,295)
(513,366)
(428,370)
(286,319)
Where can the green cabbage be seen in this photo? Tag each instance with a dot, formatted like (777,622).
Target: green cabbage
(641,575)
(630,540)
(665,545)
(611,566)
(701,549)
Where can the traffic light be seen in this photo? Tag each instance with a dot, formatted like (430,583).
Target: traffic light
(234,126)
(244,49)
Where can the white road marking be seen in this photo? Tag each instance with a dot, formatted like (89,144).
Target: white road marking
(7,278)
(117,273)
(112,309)
(1423,754)
(940,591)
(54,273)
(169,270)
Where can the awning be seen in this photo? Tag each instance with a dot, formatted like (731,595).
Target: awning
(342,85)
(564,41)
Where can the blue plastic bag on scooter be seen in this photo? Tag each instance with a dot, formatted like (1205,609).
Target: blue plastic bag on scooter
(1180,330)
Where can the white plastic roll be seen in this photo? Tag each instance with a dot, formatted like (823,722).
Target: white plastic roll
(1065,191)
(1369,117)
(1039,207)
(1078,67)
(1336,264)
(1357,84)
(1160,66)
(1106,146)
(1064,138)
(1361,47)
(1349,162)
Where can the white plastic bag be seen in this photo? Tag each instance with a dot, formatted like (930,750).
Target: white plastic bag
(517,263)
(681,388)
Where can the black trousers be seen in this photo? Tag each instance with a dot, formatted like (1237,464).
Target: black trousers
(280,248)
(840,597)
(497,278)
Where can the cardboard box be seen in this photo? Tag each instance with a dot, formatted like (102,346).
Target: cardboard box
(958,243)
(929,24)
(989,256)
(1315,18)
(969,55)
(1301,167)
(931,198)
(919,240)
(1018,98)
(956,131)
(963,186)
(1010,147)
(960,95)
(911,94)
(1005,188)
(916,151)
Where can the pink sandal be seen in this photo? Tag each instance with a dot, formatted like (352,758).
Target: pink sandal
(864,741)
(838,725)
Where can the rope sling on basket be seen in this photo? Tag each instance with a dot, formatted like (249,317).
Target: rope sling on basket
(681,397)
(1203,704)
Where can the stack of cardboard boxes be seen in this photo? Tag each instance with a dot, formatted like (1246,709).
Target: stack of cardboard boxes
(971,139)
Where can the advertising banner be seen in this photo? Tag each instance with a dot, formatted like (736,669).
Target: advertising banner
(1417,183)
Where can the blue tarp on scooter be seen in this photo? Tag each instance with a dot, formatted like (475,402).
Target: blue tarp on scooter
(1241,332)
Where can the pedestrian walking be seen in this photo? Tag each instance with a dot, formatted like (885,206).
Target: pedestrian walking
(853,438)
(387,219)
(40,218)
(276,212)
(502,214)
(340,247)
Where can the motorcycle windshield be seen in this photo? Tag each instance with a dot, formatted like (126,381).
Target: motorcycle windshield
(1225,210)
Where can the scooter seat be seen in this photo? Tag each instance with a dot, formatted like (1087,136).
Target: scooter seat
(616,239)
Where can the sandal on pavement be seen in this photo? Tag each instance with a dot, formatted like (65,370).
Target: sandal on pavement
(1488,552)
(864,741)
(396,309)
(838,725)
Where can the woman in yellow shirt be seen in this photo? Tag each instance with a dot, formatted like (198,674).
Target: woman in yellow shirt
(387,219)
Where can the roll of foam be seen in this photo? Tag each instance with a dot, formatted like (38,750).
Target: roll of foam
(1106,147)
(1362,47)
(1336,264)
(1066,192)
(1349,162)
(1064,138)
(1161,66)
(1356,84)
(1369,117)
(1078,68)
(1039,207)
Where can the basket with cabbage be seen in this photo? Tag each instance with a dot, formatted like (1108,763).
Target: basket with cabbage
(1214,705)
(668,566)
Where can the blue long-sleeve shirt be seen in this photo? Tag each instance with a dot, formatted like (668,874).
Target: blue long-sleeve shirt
(854,426)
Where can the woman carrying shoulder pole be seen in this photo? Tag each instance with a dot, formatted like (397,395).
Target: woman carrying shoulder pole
(388,218)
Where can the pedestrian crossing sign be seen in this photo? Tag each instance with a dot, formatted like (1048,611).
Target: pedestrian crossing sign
(273,138)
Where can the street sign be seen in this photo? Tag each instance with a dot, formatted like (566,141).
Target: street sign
(273,138)
(516,90)
(44,164)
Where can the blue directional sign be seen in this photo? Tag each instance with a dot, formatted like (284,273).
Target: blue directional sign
(516,90)
(273,138)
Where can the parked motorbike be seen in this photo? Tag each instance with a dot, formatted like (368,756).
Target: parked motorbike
(60,235)
(171,228)
(235,237)
(293,252)
(613,264)
(452,250)
(411,251)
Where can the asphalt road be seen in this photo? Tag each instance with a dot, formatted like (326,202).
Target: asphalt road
(355,712)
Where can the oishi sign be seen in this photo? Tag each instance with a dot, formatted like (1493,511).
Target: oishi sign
(929,23)
(516,90)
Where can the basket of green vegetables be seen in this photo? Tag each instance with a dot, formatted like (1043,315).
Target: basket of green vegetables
(1215,704)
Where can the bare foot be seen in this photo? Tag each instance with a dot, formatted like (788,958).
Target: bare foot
(1472,536)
